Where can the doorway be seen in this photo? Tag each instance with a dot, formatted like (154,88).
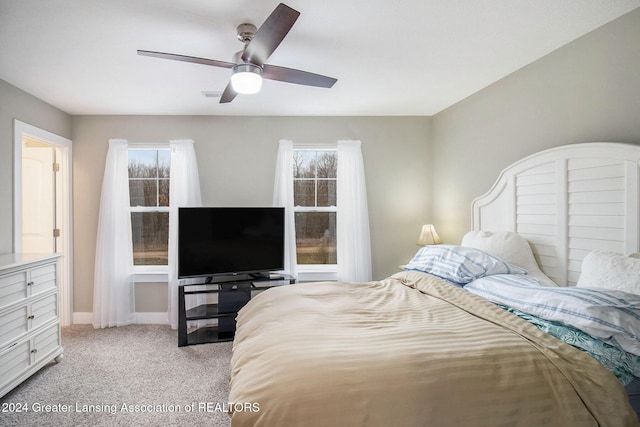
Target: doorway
(39,176)
(42,201)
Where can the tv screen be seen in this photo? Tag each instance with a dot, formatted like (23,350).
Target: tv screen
(219,241)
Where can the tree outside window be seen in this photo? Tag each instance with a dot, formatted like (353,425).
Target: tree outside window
(315,207)
(149,201)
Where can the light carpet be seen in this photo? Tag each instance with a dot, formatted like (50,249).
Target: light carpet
(128,376)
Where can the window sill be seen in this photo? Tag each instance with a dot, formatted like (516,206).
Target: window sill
(315,273)
(150,276)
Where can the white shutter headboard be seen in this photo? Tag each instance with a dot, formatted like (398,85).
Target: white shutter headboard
(567,201)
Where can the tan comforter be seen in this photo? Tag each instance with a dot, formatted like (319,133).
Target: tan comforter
(410,350)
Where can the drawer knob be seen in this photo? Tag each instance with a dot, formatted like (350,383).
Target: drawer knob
(31,317)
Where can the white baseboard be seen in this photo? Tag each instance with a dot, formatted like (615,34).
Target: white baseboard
(142,318)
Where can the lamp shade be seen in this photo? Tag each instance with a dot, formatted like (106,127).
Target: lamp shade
(429,236)
(246,79)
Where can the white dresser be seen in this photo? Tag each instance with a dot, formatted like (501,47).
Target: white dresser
(29,316)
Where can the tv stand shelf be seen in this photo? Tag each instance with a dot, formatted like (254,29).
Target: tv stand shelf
(233,293)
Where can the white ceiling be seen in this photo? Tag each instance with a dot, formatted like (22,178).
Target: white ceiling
(407,57)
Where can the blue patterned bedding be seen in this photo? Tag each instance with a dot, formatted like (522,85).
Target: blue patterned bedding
(625,366)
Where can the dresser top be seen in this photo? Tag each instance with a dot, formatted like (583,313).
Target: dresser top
(17,259)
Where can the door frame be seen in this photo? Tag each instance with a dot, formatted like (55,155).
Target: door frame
(64,206)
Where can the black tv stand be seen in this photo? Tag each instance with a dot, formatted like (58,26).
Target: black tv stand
(263,275)
(233,293)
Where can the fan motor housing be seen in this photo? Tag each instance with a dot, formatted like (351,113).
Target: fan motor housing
(246,32)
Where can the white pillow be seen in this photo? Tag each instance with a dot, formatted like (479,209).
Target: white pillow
(610,270)
(508,246)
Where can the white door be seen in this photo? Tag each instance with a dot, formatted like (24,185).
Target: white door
(38,197)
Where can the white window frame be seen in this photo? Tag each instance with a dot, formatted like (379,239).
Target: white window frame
(315,272)
(150,273)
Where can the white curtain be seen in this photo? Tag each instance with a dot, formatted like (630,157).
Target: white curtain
(352,223)
(112,286)
(283,197)
(184,191)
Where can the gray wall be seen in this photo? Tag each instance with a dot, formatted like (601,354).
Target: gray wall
(586,91)
(17,104)
(236,162)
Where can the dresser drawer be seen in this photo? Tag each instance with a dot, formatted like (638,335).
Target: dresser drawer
(23,284)
(29,354)
(24,318)
(45,342)
(14,361)
(13,287)
(13,323)
(43,310)
(43,278)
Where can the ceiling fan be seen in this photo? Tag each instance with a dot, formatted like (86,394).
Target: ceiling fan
(248,65)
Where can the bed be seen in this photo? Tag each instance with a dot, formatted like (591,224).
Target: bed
(451,340)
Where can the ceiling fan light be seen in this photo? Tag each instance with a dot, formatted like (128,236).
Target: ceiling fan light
(246,79)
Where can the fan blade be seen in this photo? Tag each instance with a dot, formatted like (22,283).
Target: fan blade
(290,75)
(185,58)
(270,34)
(228,95)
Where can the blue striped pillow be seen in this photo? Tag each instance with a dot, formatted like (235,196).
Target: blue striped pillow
(459,264)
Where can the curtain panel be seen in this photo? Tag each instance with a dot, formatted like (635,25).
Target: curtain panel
(283,197)
(352,223)
(112,286)
(184,191)
(113,301)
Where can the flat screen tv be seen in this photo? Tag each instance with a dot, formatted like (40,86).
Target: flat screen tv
(229,241)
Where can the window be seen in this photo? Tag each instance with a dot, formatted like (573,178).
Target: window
(315,207)
(149,201)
